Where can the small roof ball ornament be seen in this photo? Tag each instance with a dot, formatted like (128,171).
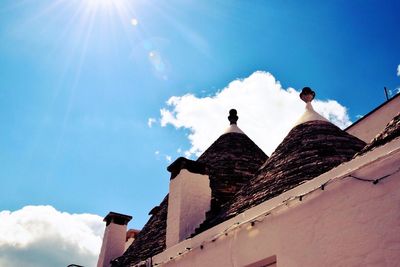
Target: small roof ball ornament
(233,116)
(307,95)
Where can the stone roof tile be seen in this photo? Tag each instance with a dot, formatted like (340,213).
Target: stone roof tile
(310,149)
(149,241)
(230,162)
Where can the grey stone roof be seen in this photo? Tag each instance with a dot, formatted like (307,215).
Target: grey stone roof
(240,181)
(230,162)
(310,149)
(149,241)
(242,176)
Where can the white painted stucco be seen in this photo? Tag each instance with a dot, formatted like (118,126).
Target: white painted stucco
(113,244)
(349,223)
(370,126)
(233,128)
(310,115)
(189,200)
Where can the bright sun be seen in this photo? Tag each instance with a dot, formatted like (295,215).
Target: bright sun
(101,3)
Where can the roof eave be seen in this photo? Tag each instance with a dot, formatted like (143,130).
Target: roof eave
(390,150)
(371,112)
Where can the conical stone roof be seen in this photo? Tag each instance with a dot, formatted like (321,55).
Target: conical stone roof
(231,161)
(310,149)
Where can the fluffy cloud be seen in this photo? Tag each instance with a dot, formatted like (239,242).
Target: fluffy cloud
(398,70)
(42,236)
(150,122)
(266,112)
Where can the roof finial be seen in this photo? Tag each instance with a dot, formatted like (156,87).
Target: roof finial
(307,95)
(233,116)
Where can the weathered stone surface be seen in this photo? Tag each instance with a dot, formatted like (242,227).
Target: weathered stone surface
(239,183)
(231,161)
(150,240)
(310,149)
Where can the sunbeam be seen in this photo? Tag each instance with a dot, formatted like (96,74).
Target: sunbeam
(86,30)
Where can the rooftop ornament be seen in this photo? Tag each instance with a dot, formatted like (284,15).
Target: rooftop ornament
(233,118)
(308,95)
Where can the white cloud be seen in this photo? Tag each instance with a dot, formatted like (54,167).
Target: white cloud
(398,70)
(150,122)
(266,112)
(168,158)
(42,236)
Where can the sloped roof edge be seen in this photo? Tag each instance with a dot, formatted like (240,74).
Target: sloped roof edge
(389,150)
(391,131)
(372,111)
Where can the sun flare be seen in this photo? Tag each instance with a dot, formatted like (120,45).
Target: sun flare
(100,3)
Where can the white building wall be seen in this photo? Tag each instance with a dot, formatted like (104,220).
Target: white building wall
(367,128)
(349,223)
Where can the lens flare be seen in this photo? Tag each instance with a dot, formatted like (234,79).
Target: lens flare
(134,22)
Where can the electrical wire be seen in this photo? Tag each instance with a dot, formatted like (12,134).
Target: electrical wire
(260,217)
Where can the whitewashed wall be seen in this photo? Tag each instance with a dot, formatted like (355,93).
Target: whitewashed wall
(350,223)
(367,128)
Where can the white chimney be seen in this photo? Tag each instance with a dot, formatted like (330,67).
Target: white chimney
(188,201)
(114,238)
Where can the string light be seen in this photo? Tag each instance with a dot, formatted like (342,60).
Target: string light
(373,181)
(263,215)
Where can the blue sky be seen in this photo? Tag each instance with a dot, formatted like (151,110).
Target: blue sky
(79,80)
